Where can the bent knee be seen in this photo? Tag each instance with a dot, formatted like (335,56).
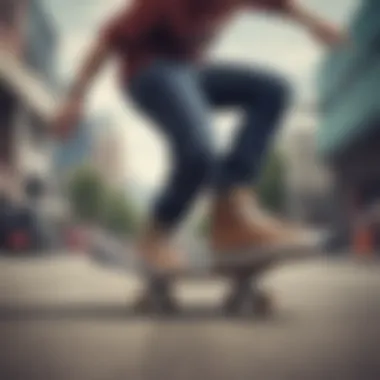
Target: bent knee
(274,93)
(279,92)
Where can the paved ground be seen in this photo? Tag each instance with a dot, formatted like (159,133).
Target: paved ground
(68,319)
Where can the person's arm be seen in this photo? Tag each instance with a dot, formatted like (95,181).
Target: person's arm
(89,69)
(323,30)
(70,111)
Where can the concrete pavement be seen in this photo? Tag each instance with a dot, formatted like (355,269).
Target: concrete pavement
(64,318)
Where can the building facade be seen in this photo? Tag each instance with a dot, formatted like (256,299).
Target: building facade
(108,157)
(76,151)
(28,43)
(349,82)
(41,43)
(308,185)
(349,137)
(98,145)
(12,23)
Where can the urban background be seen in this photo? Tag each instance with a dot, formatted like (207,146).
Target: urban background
(70,211)
(322,170)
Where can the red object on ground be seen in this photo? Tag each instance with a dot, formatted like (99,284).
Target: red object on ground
(19,240)
(364,241)
(76,239)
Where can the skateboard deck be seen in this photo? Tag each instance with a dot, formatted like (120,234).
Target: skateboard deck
(245,270)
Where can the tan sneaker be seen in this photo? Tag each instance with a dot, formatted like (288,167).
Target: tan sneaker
(238,223)
(263,217)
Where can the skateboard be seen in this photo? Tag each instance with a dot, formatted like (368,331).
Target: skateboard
(245,272)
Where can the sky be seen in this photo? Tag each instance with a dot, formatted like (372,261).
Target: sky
(256,39)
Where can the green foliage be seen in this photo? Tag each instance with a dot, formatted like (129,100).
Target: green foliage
(92,201)
(121,217)
(271,186)
(87,195)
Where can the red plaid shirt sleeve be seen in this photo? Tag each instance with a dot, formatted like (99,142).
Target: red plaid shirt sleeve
(275,5)
(130,22)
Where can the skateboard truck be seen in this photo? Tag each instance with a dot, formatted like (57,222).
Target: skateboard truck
(244,271)
(245,295)
(157,297)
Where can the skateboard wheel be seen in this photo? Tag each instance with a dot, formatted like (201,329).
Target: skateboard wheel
(143,304)
(156,303)
(262,304)
(231,307)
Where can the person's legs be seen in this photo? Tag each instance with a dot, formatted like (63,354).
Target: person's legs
(168,93)
(262,98)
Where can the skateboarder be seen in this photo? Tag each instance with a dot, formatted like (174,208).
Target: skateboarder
(160,45)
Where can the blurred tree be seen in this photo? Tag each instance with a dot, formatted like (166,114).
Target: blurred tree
(87,195)
(92,201)
(271,186)
(121,216)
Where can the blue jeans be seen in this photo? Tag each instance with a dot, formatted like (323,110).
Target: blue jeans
(178,97)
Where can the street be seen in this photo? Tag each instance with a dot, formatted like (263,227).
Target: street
(67,318)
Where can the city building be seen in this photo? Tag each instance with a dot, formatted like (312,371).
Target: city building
(28,41)
(40,50)
(77,150)
(308,185)
(108,156)
(349,137)
(96,144)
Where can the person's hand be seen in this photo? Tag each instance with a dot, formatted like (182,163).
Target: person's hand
(330,35)
(67,117)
